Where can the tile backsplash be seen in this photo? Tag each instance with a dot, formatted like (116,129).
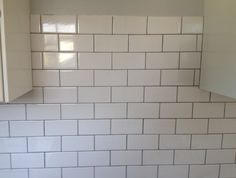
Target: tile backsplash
(117,96)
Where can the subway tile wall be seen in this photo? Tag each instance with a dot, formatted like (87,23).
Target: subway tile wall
(117,97)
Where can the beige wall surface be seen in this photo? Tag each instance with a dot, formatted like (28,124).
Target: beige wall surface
(118,7)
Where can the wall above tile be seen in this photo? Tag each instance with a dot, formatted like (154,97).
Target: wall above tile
(119,7)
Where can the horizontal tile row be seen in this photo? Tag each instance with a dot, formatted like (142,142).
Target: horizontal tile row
(118,126)
(119,158)
(116,24)
(70,78)
(52,60)
(116,142)
(163,171)
(152,94)
(115,110)
(115,43)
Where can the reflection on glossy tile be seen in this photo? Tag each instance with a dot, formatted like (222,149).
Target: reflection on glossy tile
(59,24)
(60,61)
(76,43)
(41,42)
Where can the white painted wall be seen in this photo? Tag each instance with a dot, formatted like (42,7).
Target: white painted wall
(119,7)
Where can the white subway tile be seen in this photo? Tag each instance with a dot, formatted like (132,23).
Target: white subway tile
(77,143)
(228,170)
(27,160)
(111,43)
(143,110)
(220,156)
(143,77)
(34,96)
(126,157)
(12,112)
(191,126)
(127,94)
(81,43)
(176,110)
(59,60)
(174,142)
(192,24)
(192,94)
(199,42)
(37,60)
(58,24)
(44,42)
(110,78)
(110,142)
(4,130)
(94,61)
(177,77)
(190,60)
(133,126)
(5,161)
(95,24)
(45,78)
(189,156)
(13,145)
(197,77)
(94,94)
(206,141)
(179,43)
(61,127)
(111,110)
(95,158)
(222,126)
(230,110)
(145,43)
(128,61)
(94,127)
(209,171)
(129,25)
(160,94)
(108,172)
(26,128)
(157,157)
(141,171)
(173,171)
(61,159)
(229,141)
(44,144)
(85,172)
(76,78)
(45,173)
(137,142)
(60,95)
(160,126)
(35,23)
(164,25)
(162,61)
(43,112)
(13,173)
(77,111)
(206,110)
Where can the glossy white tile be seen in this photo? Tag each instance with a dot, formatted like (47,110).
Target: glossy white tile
(58,24)
(192,24)
(35,26)
(59,61)
(81,43)
(95,24)
(129,25)
(44,144)
(44,42)
(164,25)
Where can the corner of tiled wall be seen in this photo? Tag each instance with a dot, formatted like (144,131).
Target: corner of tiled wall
(117,96)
